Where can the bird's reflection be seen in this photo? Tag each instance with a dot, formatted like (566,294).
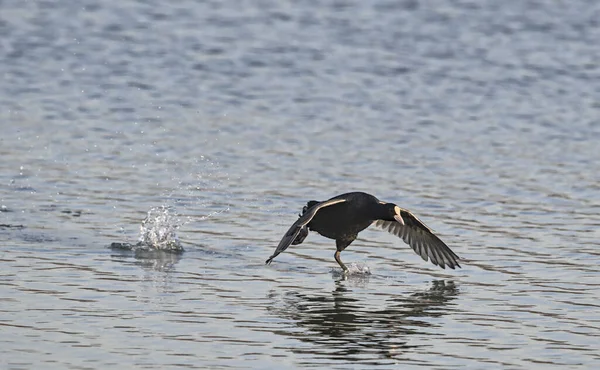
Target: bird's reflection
(341,324)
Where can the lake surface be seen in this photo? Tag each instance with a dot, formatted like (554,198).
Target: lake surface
(481,117)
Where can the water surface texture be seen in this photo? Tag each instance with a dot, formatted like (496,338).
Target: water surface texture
(482,117)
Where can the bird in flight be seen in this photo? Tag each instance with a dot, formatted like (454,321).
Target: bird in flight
(342,217)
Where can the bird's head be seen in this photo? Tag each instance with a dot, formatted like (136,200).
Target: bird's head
(393,213)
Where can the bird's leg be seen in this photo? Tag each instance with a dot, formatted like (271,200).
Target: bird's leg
(341,244)
(339,261)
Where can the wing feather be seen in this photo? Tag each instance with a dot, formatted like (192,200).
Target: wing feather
(421,239)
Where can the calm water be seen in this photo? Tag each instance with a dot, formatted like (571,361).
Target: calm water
(482,117)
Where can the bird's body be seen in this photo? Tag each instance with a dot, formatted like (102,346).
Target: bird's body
(345,219)
(342,217)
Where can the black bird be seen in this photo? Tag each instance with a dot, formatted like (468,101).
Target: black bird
(344,216)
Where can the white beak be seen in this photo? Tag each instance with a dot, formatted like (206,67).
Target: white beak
(399,219)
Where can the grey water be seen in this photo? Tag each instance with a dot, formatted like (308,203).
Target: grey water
(481,117)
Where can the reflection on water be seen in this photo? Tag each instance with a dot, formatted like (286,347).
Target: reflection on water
(342,325)
(157,260)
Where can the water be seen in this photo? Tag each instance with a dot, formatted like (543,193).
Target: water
(480,117)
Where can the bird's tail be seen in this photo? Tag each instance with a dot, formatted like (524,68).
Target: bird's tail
(298,234)
(308,206)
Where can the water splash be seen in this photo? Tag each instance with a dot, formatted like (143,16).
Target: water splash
(358,268)
(157,231)
(355,269)
(202,195)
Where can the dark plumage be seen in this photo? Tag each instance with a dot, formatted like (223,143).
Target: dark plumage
(344,216)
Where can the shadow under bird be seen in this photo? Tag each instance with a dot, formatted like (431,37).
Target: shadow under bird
(342,217)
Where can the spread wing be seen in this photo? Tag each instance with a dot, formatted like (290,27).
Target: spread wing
(301,224)
(421,239)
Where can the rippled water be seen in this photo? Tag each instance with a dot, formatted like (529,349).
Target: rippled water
(481,117)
